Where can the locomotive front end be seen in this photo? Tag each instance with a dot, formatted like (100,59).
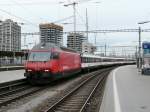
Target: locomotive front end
(40,67)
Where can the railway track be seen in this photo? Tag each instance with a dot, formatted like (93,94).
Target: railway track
(12,85)
(15,90)
(76,99)
(79,98)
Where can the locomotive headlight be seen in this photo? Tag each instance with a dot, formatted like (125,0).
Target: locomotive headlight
(46,70)
(29,70)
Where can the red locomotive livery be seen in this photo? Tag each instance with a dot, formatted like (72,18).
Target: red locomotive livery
(47,62)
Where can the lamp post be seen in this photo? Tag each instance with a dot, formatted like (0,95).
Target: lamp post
(140,61)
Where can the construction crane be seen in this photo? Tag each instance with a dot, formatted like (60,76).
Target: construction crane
(74,15)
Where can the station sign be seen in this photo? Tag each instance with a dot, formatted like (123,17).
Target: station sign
(146,45)
(146,49)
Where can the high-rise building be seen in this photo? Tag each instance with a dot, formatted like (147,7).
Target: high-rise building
(1,36)
(88,48)
(50,32)
(75,42)
(10,36)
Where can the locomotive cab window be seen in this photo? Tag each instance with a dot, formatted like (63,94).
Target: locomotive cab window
(39,56)
(55,55)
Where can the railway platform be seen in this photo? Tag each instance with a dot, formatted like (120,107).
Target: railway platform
(7,68)
(126,90)
(6,76)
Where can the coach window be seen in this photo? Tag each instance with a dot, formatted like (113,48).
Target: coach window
(85,60)
(81,59)
(104,60)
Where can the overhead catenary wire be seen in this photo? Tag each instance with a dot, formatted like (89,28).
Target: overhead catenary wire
(82,19)
(83,1)
(36,25)
(63,19)
(9,13)
(25,9)
(96,31)
(32,3)
(25,20)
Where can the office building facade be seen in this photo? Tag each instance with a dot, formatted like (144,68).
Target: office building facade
(10,36)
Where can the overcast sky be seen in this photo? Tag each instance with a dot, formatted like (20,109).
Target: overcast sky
(108,14)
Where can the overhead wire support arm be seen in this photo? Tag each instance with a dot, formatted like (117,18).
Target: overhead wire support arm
(95,31)
(143,22)
(74,3)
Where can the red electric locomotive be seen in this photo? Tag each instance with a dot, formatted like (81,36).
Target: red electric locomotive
(47,62)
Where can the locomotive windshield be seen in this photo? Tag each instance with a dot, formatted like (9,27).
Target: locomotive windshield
(39,56)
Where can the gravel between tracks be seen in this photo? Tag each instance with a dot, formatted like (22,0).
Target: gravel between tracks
(37,101)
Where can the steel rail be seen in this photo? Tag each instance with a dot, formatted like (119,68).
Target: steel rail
(54,106)
(92,92)
(18,95)
(10,92)
(14,90)
(12,83)
(11,86)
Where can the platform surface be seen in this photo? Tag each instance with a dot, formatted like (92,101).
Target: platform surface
(10,66)
(6,76)
(126,90)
